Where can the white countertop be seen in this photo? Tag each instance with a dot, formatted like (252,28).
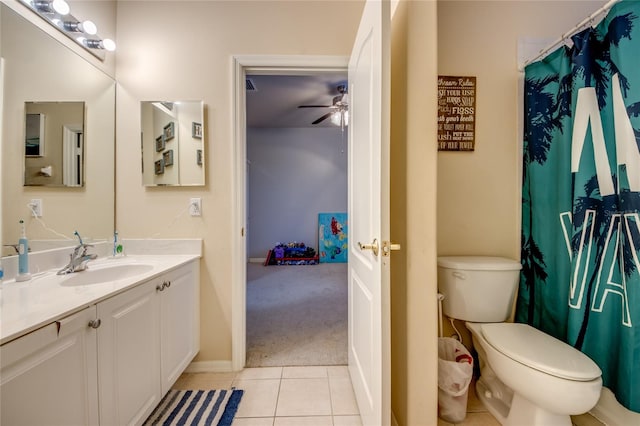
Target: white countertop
(26,306)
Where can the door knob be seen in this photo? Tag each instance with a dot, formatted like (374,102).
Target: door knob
(374,247)
(95,323)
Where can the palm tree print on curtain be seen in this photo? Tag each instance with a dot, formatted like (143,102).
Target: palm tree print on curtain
(580,280)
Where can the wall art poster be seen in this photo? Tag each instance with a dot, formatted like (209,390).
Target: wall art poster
(332,237)
(456,113)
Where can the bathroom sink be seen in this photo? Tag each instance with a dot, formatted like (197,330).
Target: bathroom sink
(105,274)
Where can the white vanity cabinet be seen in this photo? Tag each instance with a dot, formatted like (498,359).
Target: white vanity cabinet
(109,363)
(49,376)
(129,356)
(148,336)
(179,322)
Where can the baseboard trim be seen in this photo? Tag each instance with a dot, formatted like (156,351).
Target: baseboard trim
(209,367)
(256,260)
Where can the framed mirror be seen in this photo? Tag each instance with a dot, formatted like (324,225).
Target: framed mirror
(59,162)
(172,143)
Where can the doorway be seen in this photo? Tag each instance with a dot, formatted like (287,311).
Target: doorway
(296,306)
(289,65)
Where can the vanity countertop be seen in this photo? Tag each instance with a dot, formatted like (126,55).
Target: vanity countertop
(47,297)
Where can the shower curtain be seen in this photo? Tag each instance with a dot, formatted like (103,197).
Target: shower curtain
(580,280)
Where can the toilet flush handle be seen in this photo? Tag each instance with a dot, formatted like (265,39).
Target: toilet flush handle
(459,275)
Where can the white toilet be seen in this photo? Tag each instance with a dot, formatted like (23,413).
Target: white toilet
(527,377)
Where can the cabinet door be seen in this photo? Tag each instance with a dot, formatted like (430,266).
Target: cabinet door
(180,322)
(49,376)
(128,356)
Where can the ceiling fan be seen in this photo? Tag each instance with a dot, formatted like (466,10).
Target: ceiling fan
(339,105)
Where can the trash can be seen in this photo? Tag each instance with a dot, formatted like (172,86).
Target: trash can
(455,370)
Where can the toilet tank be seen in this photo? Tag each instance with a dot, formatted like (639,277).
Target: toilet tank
(478,288)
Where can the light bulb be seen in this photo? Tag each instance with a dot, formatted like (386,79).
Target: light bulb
(61,6)
(335,118)
(109,44)
(89,27)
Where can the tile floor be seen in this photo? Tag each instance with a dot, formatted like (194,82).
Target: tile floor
(313,396)
(477,414)
(286,396)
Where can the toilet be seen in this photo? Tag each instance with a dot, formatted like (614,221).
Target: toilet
(527,377)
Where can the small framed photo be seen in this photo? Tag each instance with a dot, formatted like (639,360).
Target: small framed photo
(169,131)
(199,157)
(167,157)
(159,167)
(160,143)
(196,130)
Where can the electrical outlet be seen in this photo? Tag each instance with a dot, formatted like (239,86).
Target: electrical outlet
(195,207)
(36,207)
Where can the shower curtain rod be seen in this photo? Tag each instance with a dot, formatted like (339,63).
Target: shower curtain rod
(569,33)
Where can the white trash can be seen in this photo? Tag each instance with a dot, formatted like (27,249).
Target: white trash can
(455,370)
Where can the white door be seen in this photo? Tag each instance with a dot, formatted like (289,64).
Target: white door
(369,323)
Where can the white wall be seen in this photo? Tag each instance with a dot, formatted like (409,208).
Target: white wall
(184,50)
(294,174)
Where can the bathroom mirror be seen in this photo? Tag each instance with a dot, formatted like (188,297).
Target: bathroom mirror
(172,143)
(38,70)
(54,144)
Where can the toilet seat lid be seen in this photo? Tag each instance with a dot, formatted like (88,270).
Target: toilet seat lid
(540,351)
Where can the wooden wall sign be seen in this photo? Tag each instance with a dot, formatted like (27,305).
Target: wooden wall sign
(456,113)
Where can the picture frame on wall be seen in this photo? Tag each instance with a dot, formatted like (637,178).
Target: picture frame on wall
(199,157)
(169,131)
(159,167)
(196,130)
(167,157)
(160,143)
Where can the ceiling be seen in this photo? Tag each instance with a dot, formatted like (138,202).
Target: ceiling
(275,100)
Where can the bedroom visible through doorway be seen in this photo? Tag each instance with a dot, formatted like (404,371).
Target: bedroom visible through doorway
(296,314)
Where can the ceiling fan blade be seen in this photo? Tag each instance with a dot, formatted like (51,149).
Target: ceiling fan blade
(324,117)
(314,106)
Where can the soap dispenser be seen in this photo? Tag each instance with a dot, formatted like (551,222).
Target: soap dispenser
(23,255)
(118,248)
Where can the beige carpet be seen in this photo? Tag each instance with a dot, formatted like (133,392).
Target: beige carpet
(296,315)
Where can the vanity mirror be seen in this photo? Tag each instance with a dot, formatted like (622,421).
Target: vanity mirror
(172,143)
(54,144)
(38,69)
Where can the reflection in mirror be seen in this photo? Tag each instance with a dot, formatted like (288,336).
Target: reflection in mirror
(39,69)
(59,162)
(172,143)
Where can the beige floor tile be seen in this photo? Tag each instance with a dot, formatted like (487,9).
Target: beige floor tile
(304,397)
(347,421)
(343,400)
(479,419)
(304,372)
(586,420)
(253,421)
(183,382)
(260,373)
(444,422)
(259,399)
(303,421)
(474,405)
(338,370)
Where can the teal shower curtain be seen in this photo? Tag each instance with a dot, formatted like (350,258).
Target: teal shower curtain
(580,280)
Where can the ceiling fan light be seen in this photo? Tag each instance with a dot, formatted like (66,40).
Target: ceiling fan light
(336,118)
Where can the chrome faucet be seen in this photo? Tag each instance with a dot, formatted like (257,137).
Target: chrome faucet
(78,258)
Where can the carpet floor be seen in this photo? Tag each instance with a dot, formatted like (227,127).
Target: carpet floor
(296,315)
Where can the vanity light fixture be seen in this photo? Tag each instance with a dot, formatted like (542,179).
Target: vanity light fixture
(83,32)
